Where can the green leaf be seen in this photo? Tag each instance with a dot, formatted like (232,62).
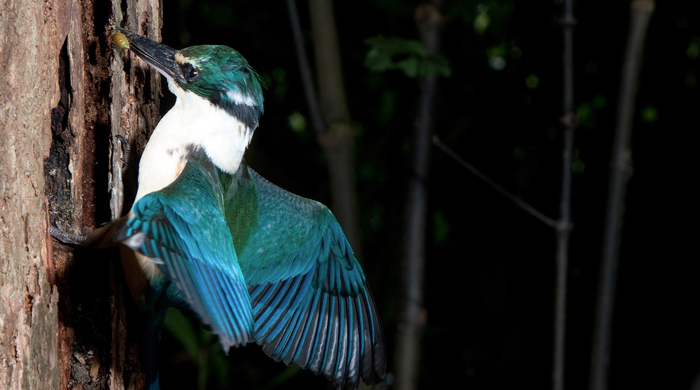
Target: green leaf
(650,114)
(218,364)
(406,55)
(281,378)
(437,65)
(181,328)
(441,227)
(410,66)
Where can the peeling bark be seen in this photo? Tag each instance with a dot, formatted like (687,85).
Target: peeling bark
(29,45)
(134,112)
(63,317)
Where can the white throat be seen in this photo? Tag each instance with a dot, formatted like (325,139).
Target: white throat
(192,121)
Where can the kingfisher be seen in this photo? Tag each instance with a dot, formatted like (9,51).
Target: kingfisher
(210,236)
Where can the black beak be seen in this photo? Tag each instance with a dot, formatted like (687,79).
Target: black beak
(155,54)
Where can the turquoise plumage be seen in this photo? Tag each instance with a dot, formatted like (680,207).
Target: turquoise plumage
(251,261)
(183,229)
(306,301)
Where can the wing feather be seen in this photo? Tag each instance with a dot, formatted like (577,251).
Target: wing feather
(310,300)
(182,229)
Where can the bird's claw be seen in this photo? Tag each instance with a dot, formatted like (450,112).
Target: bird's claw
(126,149)
(67,238)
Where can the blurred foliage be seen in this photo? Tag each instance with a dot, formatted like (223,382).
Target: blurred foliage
(588,112)
(500,109)
(481,15)
(407,55)
(297,122)
(693,49)
(650,114)
(532,81)
(441,227)
(577,164)
(202,348)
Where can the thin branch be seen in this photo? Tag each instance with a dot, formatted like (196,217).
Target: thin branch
(305,69)
(620,172)
(476,172)
(564,224)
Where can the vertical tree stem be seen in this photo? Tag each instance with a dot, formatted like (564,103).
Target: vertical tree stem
(563,228)
(338,141)
(408,344)
(620,172)
(305,70)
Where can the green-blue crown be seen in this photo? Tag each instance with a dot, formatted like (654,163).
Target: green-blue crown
(222,76)
(218,74)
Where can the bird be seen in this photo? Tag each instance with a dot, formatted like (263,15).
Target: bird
(210,236)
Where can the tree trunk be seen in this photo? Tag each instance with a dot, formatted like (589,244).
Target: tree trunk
(29,46)
(338,141)
(63,312)
(414,316)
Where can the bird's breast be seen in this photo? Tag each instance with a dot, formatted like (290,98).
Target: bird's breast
(159,167)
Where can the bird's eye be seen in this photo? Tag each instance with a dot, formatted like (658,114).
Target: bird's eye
(190,72)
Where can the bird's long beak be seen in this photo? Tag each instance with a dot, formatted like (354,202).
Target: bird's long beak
(159,56)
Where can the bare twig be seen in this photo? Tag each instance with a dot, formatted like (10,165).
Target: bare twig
(564,225)
(476,172)
(620,172)
(305,70)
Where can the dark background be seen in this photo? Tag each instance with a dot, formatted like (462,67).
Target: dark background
(489,282)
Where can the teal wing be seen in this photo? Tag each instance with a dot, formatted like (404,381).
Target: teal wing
(182,229)
(310,300)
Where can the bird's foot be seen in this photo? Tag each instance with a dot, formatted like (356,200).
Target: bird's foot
(126,150)
(67,238)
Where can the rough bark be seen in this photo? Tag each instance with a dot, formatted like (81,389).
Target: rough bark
(58,307)
(31,38)
(134,112)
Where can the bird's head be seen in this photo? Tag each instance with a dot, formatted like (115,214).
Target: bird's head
(215,73)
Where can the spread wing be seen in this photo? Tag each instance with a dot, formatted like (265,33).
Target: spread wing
(182,229)
(310,300)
